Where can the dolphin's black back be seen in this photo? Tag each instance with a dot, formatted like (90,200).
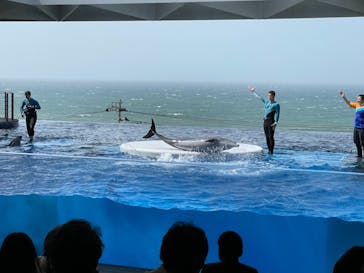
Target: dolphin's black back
(15,142)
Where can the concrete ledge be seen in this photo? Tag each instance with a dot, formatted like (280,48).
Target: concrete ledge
(4,124)
(106,268)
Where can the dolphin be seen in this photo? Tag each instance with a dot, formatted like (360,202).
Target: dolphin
(15,142)
(209,145)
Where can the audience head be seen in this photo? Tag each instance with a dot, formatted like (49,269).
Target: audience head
(43,261)
(75,247)
(184,248)
(18,254)
(230,246)
(49,239)
(352,261)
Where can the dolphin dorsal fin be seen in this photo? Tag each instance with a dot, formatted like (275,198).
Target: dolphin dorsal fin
(151,132)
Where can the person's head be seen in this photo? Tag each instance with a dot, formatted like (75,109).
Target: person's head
(49,239)
(184,248)
(27,94)
(75,247)
(271,95)
(360,98)
(17,253)
(48,243)
(230,246)
(352,261)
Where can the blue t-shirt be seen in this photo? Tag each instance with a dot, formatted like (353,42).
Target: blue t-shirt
(359,115)
(271,109)
(29,102)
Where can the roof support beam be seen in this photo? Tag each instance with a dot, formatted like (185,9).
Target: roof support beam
(353,5)
(122,10)
(58,13)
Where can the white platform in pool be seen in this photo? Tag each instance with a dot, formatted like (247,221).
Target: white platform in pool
(158,147)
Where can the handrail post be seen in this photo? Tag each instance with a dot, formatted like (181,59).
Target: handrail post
(12,106)
(6,106)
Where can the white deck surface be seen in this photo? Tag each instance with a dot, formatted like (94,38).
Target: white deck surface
(158,147)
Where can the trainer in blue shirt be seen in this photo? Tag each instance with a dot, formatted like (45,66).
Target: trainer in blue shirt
(271,116)
(358,135)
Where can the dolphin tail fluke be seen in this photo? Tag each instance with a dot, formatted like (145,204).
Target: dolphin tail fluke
(151,132)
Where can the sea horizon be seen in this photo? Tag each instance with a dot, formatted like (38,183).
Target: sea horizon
(217,104)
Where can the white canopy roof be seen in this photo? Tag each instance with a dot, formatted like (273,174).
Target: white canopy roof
(124,10)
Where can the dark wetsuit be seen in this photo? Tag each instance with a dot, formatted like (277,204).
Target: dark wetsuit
(271,116)
(30,114)
(358,135)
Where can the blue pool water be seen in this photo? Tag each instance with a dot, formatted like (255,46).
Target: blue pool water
(307,196)
(312,178)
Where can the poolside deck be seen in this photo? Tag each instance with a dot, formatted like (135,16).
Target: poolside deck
(8,123)
(106,268)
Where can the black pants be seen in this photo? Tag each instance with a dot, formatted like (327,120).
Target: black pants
(269,134)
(31,119)
(358,138)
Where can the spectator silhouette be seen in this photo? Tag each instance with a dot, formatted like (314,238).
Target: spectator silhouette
(75,247)
(18,254)
(43,264)
(230,249)
(183,250)
(352,261)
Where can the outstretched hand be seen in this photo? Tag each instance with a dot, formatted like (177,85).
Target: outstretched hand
(342,94)
(251,88)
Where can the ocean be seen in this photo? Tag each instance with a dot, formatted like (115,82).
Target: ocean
(313,181)
(303,107)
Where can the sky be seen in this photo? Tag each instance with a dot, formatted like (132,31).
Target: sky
(310,51)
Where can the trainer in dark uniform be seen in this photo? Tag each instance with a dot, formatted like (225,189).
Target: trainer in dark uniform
(358,135)
(28,108)
(271,116)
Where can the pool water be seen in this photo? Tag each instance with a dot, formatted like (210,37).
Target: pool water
(303,177)
(310,190)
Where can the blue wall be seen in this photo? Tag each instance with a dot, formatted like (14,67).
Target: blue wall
(132,235)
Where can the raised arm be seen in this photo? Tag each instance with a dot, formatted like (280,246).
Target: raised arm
(252,90)
(342,94)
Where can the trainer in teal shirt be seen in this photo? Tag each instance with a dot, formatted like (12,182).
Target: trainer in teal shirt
(271,116)
(29,108)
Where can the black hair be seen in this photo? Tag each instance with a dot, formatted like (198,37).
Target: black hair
(272,92)
(17,253)
(184,248)
(75,247)
(230,246)
(362,96)
(28,93)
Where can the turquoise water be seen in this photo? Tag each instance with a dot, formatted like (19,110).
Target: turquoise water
(308,194)
(303,107)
